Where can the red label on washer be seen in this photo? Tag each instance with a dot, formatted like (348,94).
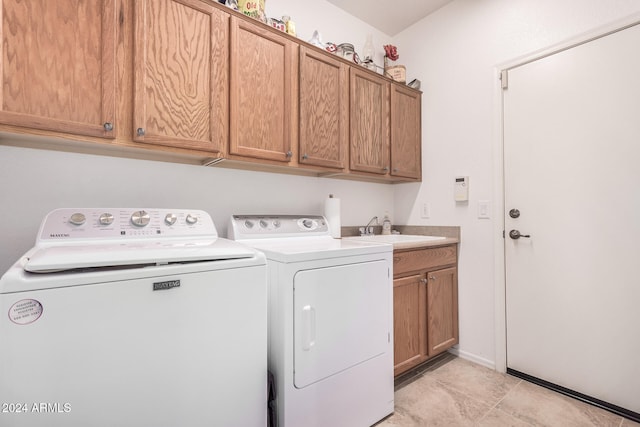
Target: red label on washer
(25,311)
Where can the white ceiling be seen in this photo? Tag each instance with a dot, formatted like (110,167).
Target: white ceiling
(390,17)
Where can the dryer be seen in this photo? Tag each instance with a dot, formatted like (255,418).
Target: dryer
(330,318)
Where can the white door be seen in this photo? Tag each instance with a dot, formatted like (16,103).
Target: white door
(572,170)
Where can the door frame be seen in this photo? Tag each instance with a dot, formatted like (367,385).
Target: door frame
(500,283)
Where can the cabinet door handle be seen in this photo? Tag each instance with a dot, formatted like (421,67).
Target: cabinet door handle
(385,169)
(289,154)
(305,157)
(432,277)
(108,126)
(140,131)
(423,281)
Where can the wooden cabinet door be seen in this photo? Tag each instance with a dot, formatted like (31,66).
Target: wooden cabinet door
(263,93)
(324,110)
(181,74)
(409,322)
(442,310)
(406,133)
(369,114)
(58,65)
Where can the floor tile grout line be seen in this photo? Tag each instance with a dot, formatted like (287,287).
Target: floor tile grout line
(495,407)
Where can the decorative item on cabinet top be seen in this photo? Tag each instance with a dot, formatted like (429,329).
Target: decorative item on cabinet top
(396,72)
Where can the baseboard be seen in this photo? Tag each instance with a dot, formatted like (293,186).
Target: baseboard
(473,358)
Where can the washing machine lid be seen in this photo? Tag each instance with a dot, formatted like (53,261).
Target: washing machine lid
(132,253)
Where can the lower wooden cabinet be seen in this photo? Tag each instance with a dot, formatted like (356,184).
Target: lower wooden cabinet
(425,306)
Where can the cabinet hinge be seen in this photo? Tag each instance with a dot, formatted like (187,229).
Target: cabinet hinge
(504,79)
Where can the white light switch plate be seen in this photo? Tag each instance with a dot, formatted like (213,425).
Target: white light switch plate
(425,210)
(484,209)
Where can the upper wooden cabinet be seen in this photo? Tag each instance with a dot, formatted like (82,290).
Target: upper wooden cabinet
(181,74)
(264,91)
(58,66)
(406,131)
(324,110)
(196,82)
(369,113)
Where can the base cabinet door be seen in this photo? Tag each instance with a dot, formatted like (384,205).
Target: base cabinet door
(58,66)
(409,322)
(181,74)
(442,310)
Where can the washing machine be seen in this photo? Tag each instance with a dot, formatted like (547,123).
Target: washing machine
(133,317)
(330,317)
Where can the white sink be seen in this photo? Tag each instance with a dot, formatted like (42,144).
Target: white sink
(397,238)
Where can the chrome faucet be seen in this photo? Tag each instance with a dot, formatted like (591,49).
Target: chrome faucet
(367,230)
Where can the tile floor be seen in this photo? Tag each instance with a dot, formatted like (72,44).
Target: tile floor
(455,392)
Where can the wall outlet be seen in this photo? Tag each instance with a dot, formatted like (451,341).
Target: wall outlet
(425,210)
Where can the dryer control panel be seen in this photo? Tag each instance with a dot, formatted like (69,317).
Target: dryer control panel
(270,226)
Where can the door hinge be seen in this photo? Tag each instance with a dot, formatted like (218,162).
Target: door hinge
(504,79)
(503,234)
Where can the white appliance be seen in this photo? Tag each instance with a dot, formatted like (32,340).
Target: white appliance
(132,317)
(330,321)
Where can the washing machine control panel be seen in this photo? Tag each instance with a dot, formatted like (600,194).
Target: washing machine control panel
(84,224)
(265,226)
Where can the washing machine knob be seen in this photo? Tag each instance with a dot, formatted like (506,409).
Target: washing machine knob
(77,218)
(263,223)
(170,219)
(277,223)
(248,224)
(191,219)
(106,219)
(140,218)
(308,223)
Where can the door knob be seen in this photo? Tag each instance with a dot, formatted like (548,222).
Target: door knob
(515,234)
(514,213)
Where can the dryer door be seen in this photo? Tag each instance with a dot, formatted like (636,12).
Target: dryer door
(341,318)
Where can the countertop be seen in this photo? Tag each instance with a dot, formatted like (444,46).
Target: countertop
(450,234)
